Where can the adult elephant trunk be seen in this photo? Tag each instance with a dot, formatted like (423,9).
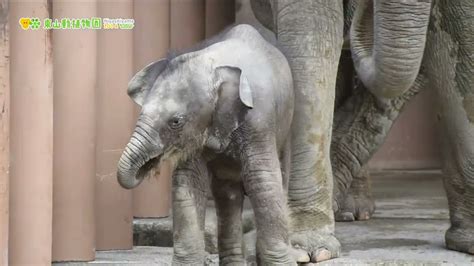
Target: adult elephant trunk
(387,42)
(139,155)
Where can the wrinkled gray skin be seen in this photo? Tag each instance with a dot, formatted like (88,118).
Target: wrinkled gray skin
(450,69)
(387,40)
(220,114)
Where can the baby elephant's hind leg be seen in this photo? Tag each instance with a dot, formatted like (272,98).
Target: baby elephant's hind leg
(228,196)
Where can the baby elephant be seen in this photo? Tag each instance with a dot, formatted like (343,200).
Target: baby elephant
(221,114)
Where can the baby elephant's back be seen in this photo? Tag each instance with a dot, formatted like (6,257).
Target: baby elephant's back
(267,69)
(261,56)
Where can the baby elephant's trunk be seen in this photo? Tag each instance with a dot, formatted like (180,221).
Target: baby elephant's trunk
(137,157)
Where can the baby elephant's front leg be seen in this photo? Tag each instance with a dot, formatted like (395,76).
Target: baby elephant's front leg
(189,207)
(263,184)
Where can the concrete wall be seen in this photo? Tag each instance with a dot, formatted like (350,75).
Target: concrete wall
(4,130)
(59,198)
(151,41)
(74,136)
(31,142)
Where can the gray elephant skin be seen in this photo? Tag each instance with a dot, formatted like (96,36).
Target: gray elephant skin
(220,114)
(394,48)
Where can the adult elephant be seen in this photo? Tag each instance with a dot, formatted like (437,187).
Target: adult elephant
(388,45)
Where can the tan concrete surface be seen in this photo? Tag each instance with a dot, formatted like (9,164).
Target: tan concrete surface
(31,143)
(74,53)
(4,130)
(219,15)
(407,229)
(115,120)
(151,41)
(187,23)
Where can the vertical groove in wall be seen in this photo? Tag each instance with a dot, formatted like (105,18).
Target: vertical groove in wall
(219,15)
(115,118)
(4,130)
(187,23)
(74,135)
(31,143)
(151,43)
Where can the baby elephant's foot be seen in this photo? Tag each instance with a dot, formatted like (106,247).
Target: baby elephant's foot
(316,246)
(195,260)
(279,254)
(460,239)
(354,207)
(233,261)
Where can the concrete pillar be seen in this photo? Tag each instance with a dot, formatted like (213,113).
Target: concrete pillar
(187,23)
(219,15)
(4,130)
(151,42)
(74,135)
(115,119)
(31,131)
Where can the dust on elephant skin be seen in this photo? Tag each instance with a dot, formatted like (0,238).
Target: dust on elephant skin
(222,115)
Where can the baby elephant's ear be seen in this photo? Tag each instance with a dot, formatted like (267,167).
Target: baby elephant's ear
(142,82)
(236,76)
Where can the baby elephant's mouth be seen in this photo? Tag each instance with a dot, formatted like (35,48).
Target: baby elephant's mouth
(151,164)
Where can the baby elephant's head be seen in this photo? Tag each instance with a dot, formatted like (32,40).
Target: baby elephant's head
(182,101)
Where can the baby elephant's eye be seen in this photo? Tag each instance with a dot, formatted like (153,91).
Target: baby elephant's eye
(176,122)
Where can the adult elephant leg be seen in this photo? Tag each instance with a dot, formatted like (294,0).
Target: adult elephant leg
(361,125)
(310,34)
(263,12)
(357,203)
(451,71)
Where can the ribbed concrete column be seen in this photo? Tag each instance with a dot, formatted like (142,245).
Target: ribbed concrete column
(219,15)
(74,53)
(31,131)
(4,130)
(115,119)
(187,23)
(151,42)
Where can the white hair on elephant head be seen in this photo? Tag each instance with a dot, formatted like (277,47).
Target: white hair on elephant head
(170,105)
(194,146)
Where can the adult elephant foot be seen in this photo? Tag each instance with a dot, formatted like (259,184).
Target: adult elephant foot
(460,239)
(307,246)
(355,208)
(357,203)
(318,245)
